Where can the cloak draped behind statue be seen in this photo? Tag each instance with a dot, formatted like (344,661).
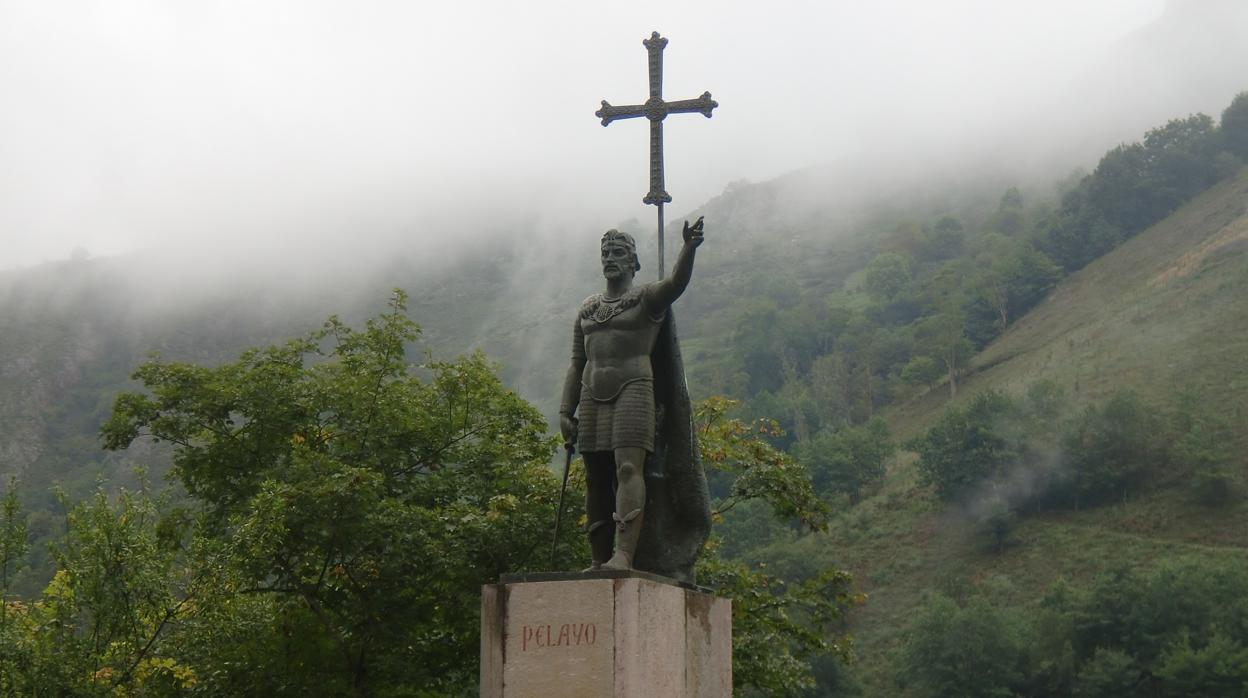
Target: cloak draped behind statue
(678,510)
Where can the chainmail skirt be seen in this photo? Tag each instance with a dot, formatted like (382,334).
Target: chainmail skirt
(626,421)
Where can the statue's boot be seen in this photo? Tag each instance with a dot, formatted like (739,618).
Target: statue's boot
(628,530)
(601,540)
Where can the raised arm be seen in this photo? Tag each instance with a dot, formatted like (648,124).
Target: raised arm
(572,386)
(665,292)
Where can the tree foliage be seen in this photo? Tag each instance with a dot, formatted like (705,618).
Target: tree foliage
(343,509)
(1174,630)
(849,460)
(968,446)
(940,288)
(1206,447)
(13,540)
(1112,447)
(1235,126)
(887,275)
(780,627)
(974,651)
(368,498)
(1134,186)
(1011,453)
(102,626)
(742,465)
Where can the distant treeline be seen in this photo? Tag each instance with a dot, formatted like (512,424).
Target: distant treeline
(999,455)
(1138,184)
(1177,630)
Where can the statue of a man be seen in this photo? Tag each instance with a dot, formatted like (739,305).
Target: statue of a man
(611,383)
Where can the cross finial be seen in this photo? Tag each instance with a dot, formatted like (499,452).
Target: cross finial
(656,110)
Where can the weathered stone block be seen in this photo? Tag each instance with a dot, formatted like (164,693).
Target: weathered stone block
(608,634)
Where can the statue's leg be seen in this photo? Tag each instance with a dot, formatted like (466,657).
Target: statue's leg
(630,500)
(599,505)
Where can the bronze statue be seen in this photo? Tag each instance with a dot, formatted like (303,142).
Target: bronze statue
(635,425)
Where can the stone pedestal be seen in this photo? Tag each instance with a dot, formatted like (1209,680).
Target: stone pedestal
(603,635)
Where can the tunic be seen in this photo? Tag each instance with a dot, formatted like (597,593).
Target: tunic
(615,338)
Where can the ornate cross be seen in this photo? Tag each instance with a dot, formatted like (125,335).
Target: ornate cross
(655,109)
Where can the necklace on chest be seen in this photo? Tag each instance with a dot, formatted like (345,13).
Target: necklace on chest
(601,309)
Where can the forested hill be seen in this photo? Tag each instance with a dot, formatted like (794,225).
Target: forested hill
(1163,313)
(71,332)
(820,298)
(998,388)
(1096,449)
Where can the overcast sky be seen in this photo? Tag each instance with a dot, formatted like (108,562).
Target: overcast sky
(259,126)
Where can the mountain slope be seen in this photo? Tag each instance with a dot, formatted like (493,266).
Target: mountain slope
(1166,310)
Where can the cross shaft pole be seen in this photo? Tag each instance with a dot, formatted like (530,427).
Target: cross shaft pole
(656,110)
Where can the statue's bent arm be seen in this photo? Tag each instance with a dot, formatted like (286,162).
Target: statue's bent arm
(662,294)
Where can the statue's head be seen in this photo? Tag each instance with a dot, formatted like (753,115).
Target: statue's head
(619,254)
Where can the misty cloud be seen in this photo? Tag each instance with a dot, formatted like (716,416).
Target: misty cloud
(302,134)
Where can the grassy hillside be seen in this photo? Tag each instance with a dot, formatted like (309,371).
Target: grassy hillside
(1164,311)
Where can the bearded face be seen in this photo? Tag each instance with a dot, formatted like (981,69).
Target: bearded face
(618,260)
(619,255)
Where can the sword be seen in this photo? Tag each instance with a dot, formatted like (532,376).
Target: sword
(567,466)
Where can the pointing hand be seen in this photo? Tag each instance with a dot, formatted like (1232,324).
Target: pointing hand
(693,234)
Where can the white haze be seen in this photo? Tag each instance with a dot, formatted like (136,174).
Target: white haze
(296,134)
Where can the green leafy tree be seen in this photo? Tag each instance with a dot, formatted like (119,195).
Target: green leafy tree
(1079,232)
(847,460)
(779,626)
(922,370)
(988,307)
(1144,613)
(1029,276)
(1012,198)
(1119,188)
(943,240)
(1219,668)
(1134,186)
(860,342)
(739,456)
(888,274)
(13,547)
(13,542)
(972,651)
(1235,126)
(1113,447)
(943,337)
(368,498)
(1110,673)
(1009,284)
(1044,407)
(969,445)
(103,624)
(832,388)
(1182,162)
(757,341)
(1206,446)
